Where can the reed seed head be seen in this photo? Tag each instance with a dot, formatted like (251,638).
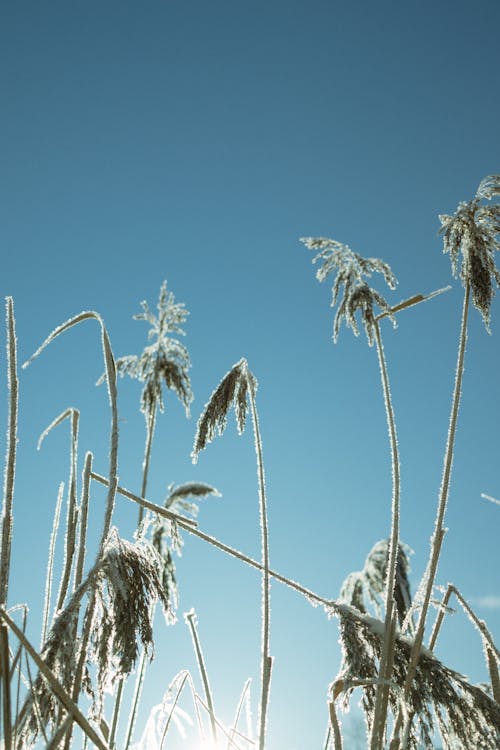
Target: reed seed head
(166,361)
(368,584)
(231,391)
(350,271)
(473,230)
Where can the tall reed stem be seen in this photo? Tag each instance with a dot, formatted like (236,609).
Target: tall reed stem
(191,621)
(150,429)
(386,662)
(436,540)
(6,693)
(10,461)
(266,657)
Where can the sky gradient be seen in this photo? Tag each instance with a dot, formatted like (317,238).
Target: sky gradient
(197,143)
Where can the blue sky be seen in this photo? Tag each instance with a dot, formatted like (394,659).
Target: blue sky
(196,143)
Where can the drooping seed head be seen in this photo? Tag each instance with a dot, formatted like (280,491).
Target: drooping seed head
(350,271)
(232,390)
(473,231)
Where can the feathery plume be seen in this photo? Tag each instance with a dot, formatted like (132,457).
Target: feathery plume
(473,229)
(351,270)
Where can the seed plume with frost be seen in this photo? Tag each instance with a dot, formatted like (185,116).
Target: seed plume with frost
(369,583)
(350,271)
(473,229)
(164,362)
(231,391)
(440,699)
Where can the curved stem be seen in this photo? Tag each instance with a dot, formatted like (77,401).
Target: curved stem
(266,657)
(386,661)
(437,536)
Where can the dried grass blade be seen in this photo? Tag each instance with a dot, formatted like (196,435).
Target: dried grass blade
(110,368)
(10,461)
(236,720)
(55,685)
(491,499)
(6,697)
(335,726)
(412,301)
(50,564)
(71,522)
(190,618)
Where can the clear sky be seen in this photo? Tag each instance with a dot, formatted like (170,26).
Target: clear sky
(196,142)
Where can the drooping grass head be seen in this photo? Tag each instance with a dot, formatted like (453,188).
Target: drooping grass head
(473,229)
(350,271)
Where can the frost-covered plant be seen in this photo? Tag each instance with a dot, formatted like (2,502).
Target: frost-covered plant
(350,271)
(473,231)
(439,698)
(165,533)
(163,363)
(366,586)
(238,385)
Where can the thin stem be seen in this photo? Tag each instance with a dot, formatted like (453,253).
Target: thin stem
(236,720)
(6,694)
(50,564)
(72,511)
(335,726)
(150,429)
(80,559)
(266,657)
(10,461)
(386,660)
(135,699)
(441,509)
(174,705)
(190,618)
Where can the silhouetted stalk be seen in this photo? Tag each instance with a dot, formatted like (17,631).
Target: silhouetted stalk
(491,652)
(190,526)
(243,696)
(5,673)
(174,705)
(190,618)
(385,669)
(266,657)
(80,558)
(335,726)
(72,512)
(150,428)
(55,685)
(50,564)
(10,462)
(441,509)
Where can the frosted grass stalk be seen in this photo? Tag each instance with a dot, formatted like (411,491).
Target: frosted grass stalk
(190,618)
(10,461)
(50,564)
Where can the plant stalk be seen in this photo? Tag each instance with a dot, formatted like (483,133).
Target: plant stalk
(441,509)
(10,462)
(386,658)
(266,657)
